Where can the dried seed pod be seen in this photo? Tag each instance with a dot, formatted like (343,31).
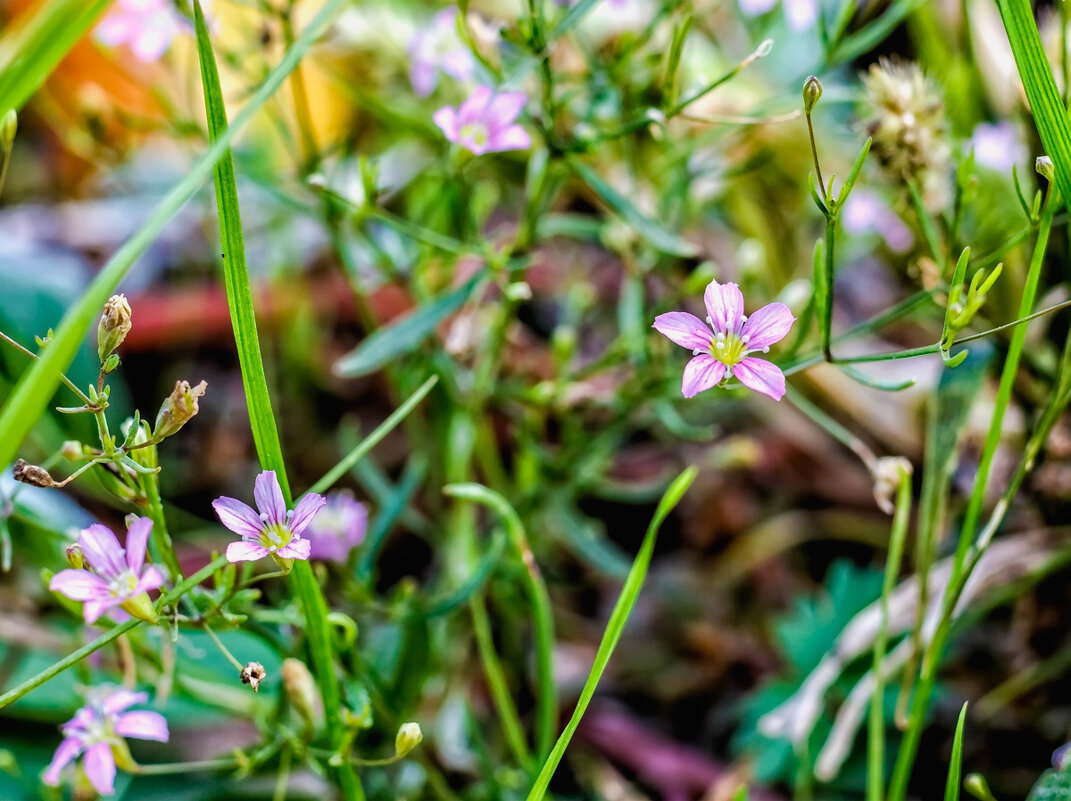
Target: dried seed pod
(179,407)
(113,327)
(32,474)
(253,674)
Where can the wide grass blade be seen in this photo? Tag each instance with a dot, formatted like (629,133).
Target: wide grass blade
(618,618)
(27,402)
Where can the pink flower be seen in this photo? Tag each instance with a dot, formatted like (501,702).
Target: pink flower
(112,576)
(338,529)
(723,351)
(865,211)
(146,26)
(997,146)
(485,122)
(273,530)
(800,14)
(97,731)
(436,48)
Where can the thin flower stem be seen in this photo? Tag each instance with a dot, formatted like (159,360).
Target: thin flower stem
(161,538)
(832,427)
(827,310)
(67,382)
(202,766)
(222,648)
(817,164)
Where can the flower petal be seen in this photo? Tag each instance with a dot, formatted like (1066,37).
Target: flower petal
(100,768)
(472,110)
(295,549)
(79,585)
(725,305)
(102,550)
(143,725)
(240,518)
(137,537)
(702,372)
(767,325)
(684,329)
(761,376)
(512,138)
(245,552)
(305,510)
(68,749)
(120,700)
(504,109)
(269,497)
(446,119)
(151,579)
(92,610)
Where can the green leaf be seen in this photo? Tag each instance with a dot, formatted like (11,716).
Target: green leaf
(955,764)
(616,625)
(404,335)
(653,232)
(572,18)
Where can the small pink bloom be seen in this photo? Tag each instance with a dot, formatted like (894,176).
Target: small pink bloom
(114,576)
(998,146)
(801,15)
(147,27)
(272,530)
(338,528)
(866,211)
(437,48)
(485,122)
(97,728)
(721,347)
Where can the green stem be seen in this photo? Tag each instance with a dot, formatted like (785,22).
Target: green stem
(827,307)
(67,382)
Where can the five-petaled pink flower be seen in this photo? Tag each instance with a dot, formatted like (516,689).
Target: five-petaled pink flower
(274,530)
(146,26)
(112,576)
(339,528)
(437,47)
(97,731)
(723,351)
(484,123)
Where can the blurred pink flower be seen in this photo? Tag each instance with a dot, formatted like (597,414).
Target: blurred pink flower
(485,122)
(998,146)
(437,48)
(723,351)
(866,211)
(98,728)
(113,576)
(800,14)
(272,530)
(338,529)
(147,27)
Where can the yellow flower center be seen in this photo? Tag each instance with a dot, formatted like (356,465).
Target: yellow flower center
(274,536)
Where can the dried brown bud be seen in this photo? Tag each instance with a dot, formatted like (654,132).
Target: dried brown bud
(178,408)
(113,327)
(253,674)
(32,474)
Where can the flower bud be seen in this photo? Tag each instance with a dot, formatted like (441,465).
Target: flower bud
(1045,168)
(75,559)
(253,674)
(32,474)
(113,327)
(8,126)
(178,408)
(408,738)
(888,472)
(976,785)
(72,450)
(812,90)
(301,689)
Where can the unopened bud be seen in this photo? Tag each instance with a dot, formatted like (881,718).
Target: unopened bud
(8,126)
(812,91)
(301,689)
(113,327)
(178,408)
(72,450)
(888,472)
(976,785)
(75,559)
(1045,168)
(253,674)
(32,474)
(408,737)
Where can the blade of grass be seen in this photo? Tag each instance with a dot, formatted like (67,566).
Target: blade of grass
(261,415)
(618,618)
(955,764)
(27,402)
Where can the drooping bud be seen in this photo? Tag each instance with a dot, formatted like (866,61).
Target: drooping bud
(409,737)
(32,474)
(301,689)
(178,408)
(113,327)
(75,559)
(812,91)
(253,674)
(1045,168)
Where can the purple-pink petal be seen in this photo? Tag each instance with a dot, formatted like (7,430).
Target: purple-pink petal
(305,511)
(762,376)
(504,108)
(143,725)
(446,119)
(79,585)
(68,749)
(768,325)
(684,329)
(246,552)
(92,610)
(511,138)
(238,517)
(475,105)
(702,372)
(100,768)
(120,700)
(102,550)
(295,549)
(269,497)
(151,579)
(137,538)
(725,305)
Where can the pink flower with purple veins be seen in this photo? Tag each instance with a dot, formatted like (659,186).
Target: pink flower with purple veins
(147,27)
(485,122)
(96,733)
(113,576)
(338,529)
(270,529)
(722,346)
(436,48)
